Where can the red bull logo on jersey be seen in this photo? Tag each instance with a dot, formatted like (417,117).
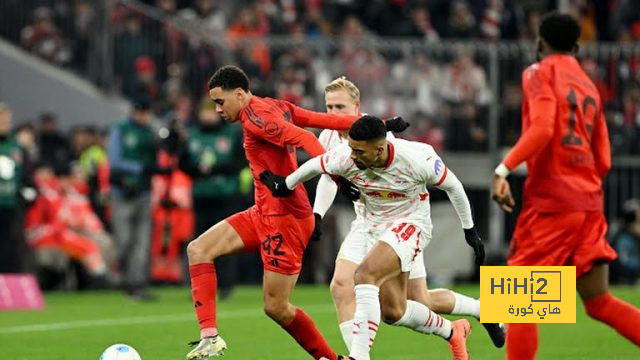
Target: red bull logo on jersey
(385,194)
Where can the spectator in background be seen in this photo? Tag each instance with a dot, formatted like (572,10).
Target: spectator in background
(315,24)
(463,132)
(530,31)
(12,182)
(619,135)
(62,221)
(462,24)
(207,14)
(631,124)
(129,45)
(424,77)
(213,157)
(145,83)
(626,269)
(248,27)
(421,25)
(44,39)
(26,137)
(465,81)
(510,122)
(132,159)
(84,16)
(54,147)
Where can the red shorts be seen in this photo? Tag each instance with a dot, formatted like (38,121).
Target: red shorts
(574,238)
(281,239)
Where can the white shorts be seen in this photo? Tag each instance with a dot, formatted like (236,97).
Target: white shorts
(408,239)
(361,239)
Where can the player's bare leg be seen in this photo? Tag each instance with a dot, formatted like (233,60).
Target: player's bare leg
(344,297)
(221,239)
(601,305)
(277,289)
(382,267)
(445,301)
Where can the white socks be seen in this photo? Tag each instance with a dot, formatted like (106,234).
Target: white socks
(466,306)
(346,329)
(366,320)
(421,319)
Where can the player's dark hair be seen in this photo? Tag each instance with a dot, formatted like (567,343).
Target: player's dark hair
(560,31)
(368,128)
(229,77)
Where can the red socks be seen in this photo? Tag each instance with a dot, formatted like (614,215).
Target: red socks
(522,341)
(204,285)
(616,313)
(307,335)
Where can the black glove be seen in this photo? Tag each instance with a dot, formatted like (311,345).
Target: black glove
(348,189)
(275,183)
(396,124)
(473,239)
(316,235)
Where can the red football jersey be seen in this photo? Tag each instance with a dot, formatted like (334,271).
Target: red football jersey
(272,132)
(565,140)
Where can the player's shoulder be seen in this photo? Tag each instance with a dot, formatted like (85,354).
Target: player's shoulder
(341,149)
(536,70)
(410,148)
(329,138)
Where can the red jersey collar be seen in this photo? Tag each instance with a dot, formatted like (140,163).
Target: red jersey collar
(392,152)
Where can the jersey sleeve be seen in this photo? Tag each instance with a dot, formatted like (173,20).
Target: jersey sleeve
(307,118)
(430,168)
(273,129)
(337,161)
(541,102)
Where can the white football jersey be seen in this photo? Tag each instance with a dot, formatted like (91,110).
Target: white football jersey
(331,139)
(399,190)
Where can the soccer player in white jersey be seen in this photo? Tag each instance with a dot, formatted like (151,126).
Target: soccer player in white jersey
(343,97)
(392,176)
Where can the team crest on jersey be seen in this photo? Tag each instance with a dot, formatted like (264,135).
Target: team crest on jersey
(438,166)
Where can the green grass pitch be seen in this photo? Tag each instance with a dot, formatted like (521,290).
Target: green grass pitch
(81,325)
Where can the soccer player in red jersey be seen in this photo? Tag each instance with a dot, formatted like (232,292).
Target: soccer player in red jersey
(566,146)
(278,228)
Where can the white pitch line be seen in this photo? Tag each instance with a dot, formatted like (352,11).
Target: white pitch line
(137,320)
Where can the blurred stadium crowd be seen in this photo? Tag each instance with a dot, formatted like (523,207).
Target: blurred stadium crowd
(160,54)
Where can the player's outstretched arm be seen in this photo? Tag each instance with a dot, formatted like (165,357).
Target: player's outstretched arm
(319,120)
(325,194)
(542,102)
(455,191)
(601,147)
(305,172)
(307,118)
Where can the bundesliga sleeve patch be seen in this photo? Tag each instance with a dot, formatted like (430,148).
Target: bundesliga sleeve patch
(438,167)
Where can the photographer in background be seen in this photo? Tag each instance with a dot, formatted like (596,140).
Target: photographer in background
(213,157)
(132,157)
